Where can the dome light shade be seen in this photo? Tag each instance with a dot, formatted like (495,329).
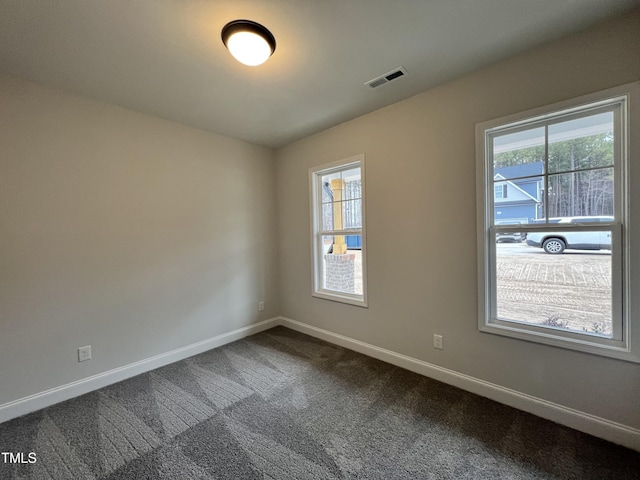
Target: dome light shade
(249,42)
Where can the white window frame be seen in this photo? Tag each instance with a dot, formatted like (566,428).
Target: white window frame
(317,231)
(625,341)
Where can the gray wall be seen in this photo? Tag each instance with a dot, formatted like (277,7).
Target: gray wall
(421,221)
(120,230)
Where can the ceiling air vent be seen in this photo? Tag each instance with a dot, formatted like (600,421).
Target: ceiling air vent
(387,77)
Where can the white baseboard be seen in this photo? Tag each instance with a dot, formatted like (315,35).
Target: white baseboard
(584,422)
(55,395)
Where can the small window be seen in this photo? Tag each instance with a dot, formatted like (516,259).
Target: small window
(338,237)
(500,191)
(558,277)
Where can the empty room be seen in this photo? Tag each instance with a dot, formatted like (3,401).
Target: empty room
(294,239)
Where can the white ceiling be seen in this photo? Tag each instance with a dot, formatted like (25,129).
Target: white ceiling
(166,58)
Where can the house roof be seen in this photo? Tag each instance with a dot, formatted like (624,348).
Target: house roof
(524,170)
(521,196)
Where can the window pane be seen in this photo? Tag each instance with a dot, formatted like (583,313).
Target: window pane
(352,189)
(342,263)
(327,244)
(581,143)
(351,175)
(342,215)
(581,194)
(519,154)
(352,214)
(569,291)
(341,185)
(331,187)
(518,200)
(327,193)
(327,216)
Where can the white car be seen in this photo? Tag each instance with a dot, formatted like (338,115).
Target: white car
(557,242)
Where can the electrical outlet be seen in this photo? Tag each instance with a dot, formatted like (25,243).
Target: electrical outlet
(437,342)
(260,306)
(84,353)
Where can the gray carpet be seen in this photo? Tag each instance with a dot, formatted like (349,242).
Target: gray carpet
(282,405)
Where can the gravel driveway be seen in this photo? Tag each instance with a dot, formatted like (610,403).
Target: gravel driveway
(571,290)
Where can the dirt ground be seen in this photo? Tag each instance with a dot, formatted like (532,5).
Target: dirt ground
(571,290)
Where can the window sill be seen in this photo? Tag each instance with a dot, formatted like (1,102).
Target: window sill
(356,300)
(588,344)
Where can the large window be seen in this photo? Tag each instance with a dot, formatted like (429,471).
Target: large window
(338,236)
(553,255)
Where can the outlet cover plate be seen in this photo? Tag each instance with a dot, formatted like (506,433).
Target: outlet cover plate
(84,353)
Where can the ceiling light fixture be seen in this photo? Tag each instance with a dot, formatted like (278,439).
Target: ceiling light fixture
(249,42)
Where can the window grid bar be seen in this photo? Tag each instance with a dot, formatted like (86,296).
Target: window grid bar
(545,198)
(525,177)
(347,200)
(556,227)
(329,233)
(580,170)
